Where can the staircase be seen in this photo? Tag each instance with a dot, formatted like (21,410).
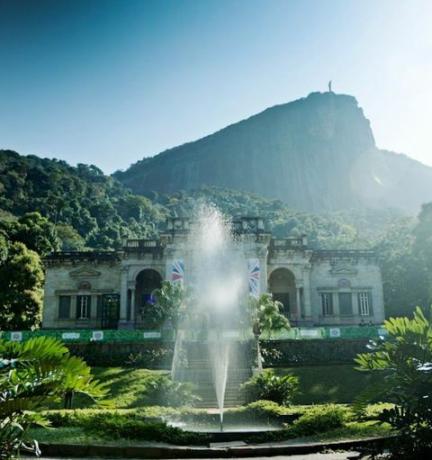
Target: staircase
(199,372)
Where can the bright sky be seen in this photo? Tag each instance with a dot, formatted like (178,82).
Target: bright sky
(108,82)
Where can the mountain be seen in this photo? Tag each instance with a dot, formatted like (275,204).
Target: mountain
(316,154)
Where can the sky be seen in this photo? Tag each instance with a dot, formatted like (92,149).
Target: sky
(110,82)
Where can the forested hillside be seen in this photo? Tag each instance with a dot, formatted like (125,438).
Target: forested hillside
(88,208)
(92,210)
(47,205)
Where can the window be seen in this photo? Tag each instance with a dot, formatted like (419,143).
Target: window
(83,307)
(327,303)
(64,307)
(365,303)
(345,303)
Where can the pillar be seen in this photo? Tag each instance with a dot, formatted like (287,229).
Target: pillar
(307,296)
(298,303)
(123,322)
(132,310)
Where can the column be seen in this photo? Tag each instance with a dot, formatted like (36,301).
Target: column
(298,303)
(307,295)
(123,298)
(132,310)
(336,308)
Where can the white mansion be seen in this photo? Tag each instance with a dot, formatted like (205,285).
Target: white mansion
(111,289)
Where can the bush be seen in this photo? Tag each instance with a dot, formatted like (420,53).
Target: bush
(163,391)
(268,386)
(135,426)
(405,359)
(318,420)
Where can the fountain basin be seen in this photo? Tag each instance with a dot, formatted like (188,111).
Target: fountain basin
(232,431)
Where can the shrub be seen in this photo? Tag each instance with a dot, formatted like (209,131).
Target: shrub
(268,386)
(405,359)
(163,391)
(127,425)
(318,420)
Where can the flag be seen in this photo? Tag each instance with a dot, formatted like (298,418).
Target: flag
(177,271)
(254,277)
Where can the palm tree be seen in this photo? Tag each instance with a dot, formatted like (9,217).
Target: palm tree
(265,318)
(33,374)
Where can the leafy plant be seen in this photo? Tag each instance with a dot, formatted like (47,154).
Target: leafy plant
(319,420)
(265,318)
(405,359)
(164,391)
(271,387)
(33,374)
(169,304)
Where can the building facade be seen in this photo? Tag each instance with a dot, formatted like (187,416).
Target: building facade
(110,290)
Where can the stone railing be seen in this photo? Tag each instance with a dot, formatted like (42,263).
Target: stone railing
(143,246)
(283,244)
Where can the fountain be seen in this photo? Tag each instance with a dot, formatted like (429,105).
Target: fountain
(215,280)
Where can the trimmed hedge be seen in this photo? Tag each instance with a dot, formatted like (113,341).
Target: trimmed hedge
(288,353)
(277,353)
(150,355)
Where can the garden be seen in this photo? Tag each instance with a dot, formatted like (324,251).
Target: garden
(48,396)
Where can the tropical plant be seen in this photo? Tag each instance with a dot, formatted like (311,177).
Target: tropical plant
(169,304)
(271,387)
(405,359)
(265,318)
(33,374)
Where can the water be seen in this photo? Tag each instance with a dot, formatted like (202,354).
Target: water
(215,282)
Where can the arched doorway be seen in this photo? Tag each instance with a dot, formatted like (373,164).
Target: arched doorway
(146,282)
(282,286)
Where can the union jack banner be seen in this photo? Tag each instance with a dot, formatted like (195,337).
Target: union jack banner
(177,271)
(254,277)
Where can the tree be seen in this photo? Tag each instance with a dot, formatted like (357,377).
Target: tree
(405,360)
(265,318)
(404,272)
(33,374)
(35,231)
(70,239)
(422,248)
(169,304)
(21,280)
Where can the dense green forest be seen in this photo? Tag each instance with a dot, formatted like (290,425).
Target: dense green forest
(48,205)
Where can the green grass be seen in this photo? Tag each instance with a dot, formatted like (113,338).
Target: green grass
(329,384)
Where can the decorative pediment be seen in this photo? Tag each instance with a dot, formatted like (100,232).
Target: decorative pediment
(84,272)
(343,267)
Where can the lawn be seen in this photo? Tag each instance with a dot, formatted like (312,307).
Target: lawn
(330,384)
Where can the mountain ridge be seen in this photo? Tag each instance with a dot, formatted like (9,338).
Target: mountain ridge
(316,153)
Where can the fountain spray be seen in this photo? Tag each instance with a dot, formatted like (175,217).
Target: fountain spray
(215,275)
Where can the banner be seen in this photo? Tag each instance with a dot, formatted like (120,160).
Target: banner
(177,271)
(254,277)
